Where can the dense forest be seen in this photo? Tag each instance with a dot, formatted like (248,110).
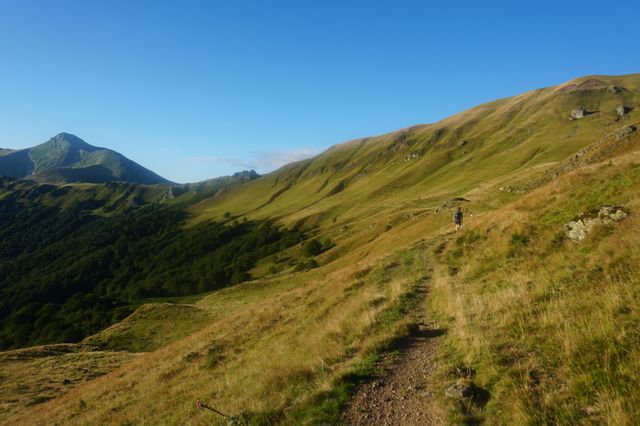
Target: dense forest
(67,273)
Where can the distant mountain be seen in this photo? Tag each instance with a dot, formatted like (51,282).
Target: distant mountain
(67,158)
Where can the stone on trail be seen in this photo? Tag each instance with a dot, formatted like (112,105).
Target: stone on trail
(458,391)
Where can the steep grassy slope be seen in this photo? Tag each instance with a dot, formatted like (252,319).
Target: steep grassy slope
(421,165)
(515,296)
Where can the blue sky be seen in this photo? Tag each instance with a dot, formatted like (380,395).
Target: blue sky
(197,89)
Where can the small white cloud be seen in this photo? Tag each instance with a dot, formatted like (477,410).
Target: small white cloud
(272,160)
(263,162)
(222,161)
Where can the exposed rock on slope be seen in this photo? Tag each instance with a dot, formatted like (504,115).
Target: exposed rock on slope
(578,228)
(589,84)
(578,113)
(624,132)
(613,143)
(622,110)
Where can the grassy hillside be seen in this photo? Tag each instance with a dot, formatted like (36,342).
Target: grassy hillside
(285,350)
(548,325)
(419,166)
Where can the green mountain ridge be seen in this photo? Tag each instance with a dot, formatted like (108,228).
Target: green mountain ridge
(67,158)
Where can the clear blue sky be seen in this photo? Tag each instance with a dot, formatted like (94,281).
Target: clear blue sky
(197,89)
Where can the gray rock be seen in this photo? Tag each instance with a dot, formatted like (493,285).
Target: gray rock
(578,113)
(458,391)
(622,110)
(411,156)
(578,228)
(608,214)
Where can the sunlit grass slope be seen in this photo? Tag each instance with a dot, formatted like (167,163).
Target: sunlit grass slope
(29,377)
(550,325)
(359,179)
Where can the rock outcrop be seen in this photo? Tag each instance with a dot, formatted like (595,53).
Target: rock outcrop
(621,140)
(624,132)
(578,113)
(578,228)
(622,110)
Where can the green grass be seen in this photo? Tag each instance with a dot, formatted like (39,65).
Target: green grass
(150,327)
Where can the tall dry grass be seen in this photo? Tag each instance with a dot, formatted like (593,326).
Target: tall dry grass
(550,325)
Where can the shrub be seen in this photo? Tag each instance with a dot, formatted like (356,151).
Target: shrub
(303,266)
(519,240)
(312,248)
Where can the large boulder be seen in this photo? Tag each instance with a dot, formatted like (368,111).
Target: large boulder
(622,110)
(578,113)
(578,228)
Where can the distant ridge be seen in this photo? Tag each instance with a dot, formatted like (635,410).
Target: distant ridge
(67,158)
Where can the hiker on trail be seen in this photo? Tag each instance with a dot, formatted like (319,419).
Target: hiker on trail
(457,219)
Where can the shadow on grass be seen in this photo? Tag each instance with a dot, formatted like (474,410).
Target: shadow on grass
(473,405)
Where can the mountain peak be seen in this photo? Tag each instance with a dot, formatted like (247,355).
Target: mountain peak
(71,139)
(67,158)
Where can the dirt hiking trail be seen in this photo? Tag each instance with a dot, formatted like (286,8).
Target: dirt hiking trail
(400,391)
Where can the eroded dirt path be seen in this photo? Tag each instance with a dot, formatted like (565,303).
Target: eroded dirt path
(401,393)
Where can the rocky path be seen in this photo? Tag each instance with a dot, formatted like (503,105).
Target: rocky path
(401,392)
